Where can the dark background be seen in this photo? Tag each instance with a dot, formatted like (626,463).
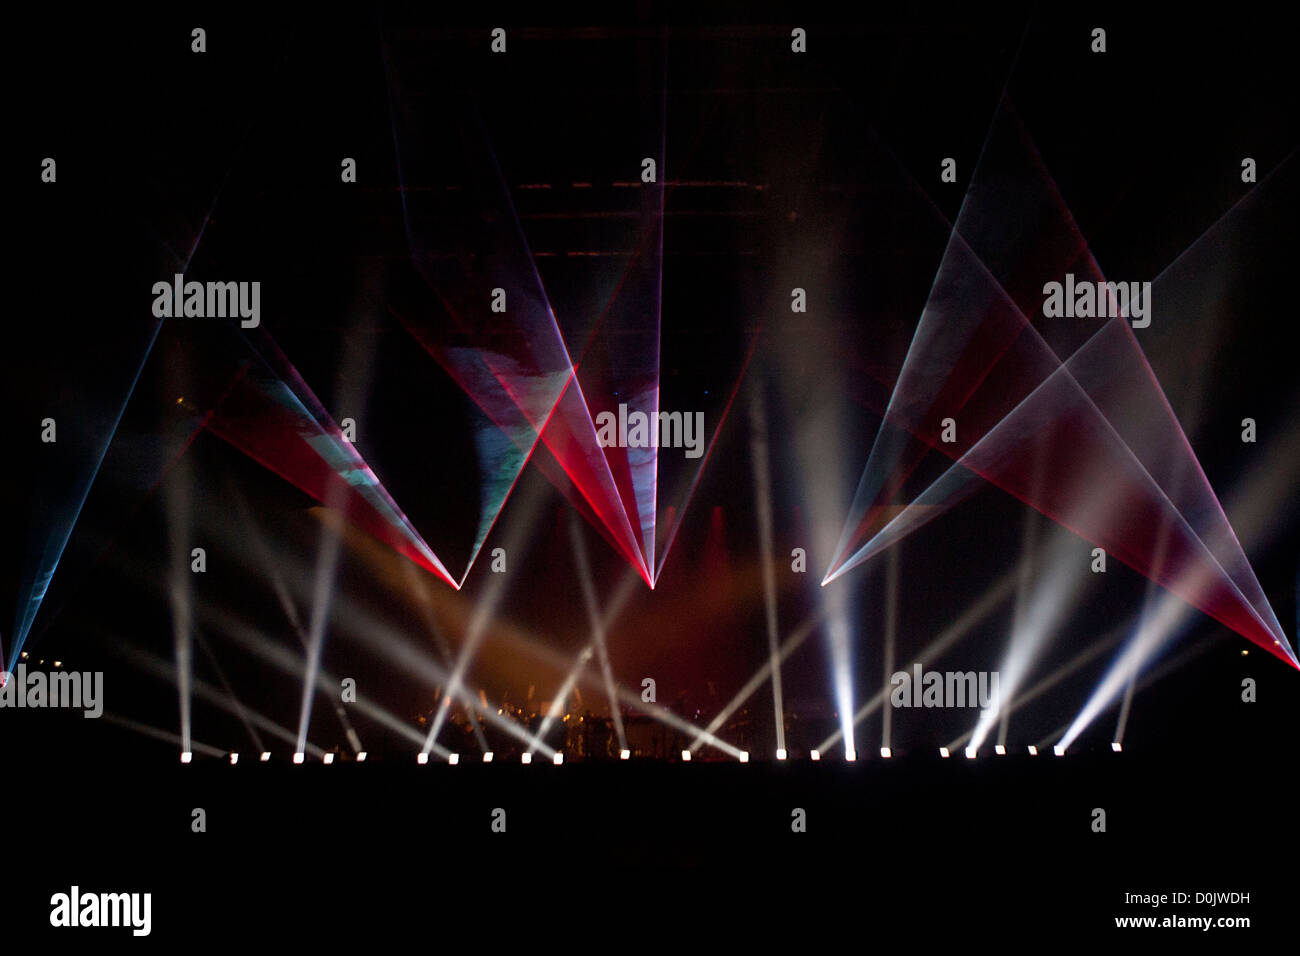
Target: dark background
(1145,145)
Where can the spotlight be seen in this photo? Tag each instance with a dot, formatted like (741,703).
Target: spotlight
(625,755)
(186,756)
(24,655)
(58,663)
(361,756)
(686,756)
(886,752)
(970,753)
(299,757)
(1033,751)
(781,754)
(1058,750)
(1000,750)
(744,756)
(266,755)
(1245,653)
(558,758)
(850,755)
(526,757)
(816,755)
(1116,746)
(422,758)
(453,759)
(329,759)
(234,759)
(487,756)
(944,752)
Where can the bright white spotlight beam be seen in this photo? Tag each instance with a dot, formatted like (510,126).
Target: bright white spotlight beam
(1088,654)
(788,647)
(984,606)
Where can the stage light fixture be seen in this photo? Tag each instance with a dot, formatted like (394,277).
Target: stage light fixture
(686,756)
(329,759)
(944,752)
(850,755)
(625,755)
(970,753)
(781,754)
(422,759)
(361,756)
(1058,750)
(453,759)
(886,752)
(1033,751)
(558,759)
(487,756)
(816,755)
(526,757)
(299,757)
(186,756)
(234,759)
(1116,746)
(744,756)
(1000,750)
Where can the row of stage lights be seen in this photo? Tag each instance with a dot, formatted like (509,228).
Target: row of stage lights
(558,758)
(25,656)
(1001,751)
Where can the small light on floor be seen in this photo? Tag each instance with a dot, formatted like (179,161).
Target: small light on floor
(329,759)
(886,752)
(361,756)
(422,758)
(781,754)
(234,759)
(816,755)
(944,752)
(487,756)
(625,755)
(526,757)
(1058,750)
(299,757)
(1116,746)
(1000,750)
(558,758)
(186,756)
(453,759)
(266,755)
(744,756)
(970,753)
(686,756)
(1033,751)
(850,755)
